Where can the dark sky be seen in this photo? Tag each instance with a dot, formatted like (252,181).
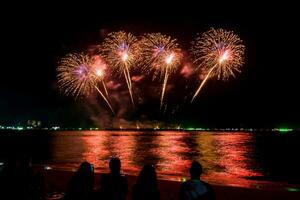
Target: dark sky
(264,94)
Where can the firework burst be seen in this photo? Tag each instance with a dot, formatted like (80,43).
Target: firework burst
(220,53)
(78,75)
(74,76)
(99,68)
(121,51)
(160,53)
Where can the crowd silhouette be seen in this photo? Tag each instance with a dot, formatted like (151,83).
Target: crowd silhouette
(19,181)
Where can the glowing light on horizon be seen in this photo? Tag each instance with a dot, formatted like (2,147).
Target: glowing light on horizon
(293,189)
(285,130)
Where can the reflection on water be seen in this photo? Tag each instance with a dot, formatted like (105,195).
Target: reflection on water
(224,156)
(237,158)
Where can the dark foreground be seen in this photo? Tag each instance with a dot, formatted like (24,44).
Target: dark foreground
(169,190)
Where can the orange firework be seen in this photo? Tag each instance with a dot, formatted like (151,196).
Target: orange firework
(121,51)
(99,67)
(161,54)
(220,53)
(78,75)
(74,76)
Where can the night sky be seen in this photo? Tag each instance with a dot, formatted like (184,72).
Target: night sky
(265,94)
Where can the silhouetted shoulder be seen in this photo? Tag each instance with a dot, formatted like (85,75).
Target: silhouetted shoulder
(108,178)
(196,190)
(113,186)
(211,192)
(139,193)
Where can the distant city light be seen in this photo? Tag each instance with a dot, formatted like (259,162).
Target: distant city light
(55,128)
(290,189)
(19,128)
(195,129)
(157,127)
(47,168)
(92,129)
(284,130)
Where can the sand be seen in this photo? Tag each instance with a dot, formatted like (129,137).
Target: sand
(57,181)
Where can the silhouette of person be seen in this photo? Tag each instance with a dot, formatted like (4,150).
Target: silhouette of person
(196,189)
(19,181)
(7,179)
(113,186)
(146,185)
(81,184)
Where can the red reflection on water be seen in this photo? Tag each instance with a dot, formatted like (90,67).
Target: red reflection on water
(226,157)
(101,146)
(172,152)
(235,154)
(95,148)
(163,149)
(122,146)
(234,158)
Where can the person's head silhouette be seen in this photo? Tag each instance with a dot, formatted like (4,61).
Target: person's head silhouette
(82,183)
(147,176)
(115,165)
(85,169)
(195,170)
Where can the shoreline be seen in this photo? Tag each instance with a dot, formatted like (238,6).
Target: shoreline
(231,130)
(57,180)
(219,179)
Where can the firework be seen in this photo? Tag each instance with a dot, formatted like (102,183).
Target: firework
(121,51)
(74,77)
(220,53)
(161,54)
(78,76)
(99,67)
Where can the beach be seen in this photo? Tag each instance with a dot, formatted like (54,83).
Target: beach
(57,180)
